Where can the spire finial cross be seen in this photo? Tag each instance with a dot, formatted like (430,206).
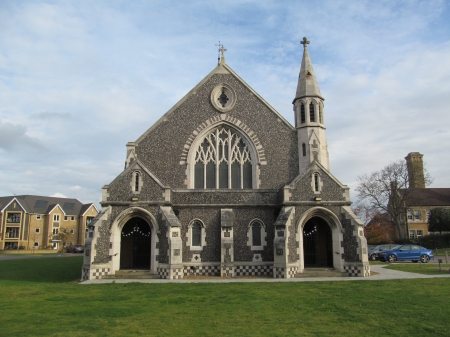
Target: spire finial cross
(222,50)
(304,42)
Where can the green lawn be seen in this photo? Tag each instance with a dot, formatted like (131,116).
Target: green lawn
(39,297)
(420,268)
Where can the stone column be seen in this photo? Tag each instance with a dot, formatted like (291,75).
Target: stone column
(226,243)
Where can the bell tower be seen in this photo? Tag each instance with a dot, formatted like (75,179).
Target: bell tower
(309,116)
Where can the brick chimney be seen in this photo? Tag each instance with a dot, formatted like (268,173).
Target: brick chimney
(414,163)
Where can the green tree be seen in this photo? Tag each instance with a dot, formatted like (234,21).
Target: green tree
(439,220)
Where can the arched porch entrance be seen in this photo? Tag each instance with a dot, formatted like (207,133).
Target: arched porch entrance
(317,243)
(135,247)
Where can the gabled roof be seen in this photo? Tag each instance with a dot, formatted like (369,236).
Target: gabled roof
(428,197)
(36,204)
(221,68)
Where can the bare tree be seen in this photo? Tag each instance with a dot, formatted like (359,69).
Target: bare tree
(388,191)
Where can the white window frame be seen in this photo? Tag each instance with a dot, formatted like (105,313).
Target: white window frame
(37,231)
(412,234)
(36,244)
(410,215)
(56,217)
(419,233)
(72,231)
(66,218)
(189,236)
(417,215)
(38,217)
(250,235)
(72,218)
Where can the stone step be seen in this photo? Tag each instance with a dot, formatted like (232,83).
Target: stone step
(133,274)
(320,272)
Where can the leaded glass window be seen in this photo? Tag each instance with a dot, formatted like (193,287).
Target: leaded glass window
(302,113)
(223,161)
(256,234)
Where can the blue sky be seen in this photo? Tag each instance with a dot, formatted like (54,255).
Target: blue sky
(80,79)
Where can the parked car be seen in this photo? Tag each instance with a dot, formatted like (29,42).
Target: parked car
(407,252)
(75,249)
(373,254)
(78,249)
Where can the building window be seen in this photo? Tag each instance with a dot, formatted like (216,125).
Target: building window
(89,219)
(316,183)
(320,114)
(304,149)
(196,235)
(55,217)
(136,182)
(36,244)
(72,218)
(12,232)
(312,115)
(417,215)
(412,234)
(302,113)
(256,235)
(428,213)
(37,230)
(419,233)
(66,218)
(409,214)
(38,217)
(72,231)
(55,231)
(223,161)
(13,218)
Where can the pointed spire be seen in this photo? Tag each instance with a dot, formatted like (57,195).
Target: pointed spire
(307,82)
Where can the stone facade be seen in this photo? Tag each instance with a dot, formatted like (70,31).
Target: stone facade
(219,187)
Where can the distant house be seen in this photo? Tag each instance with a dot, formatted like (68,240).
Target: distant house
(31,221)
(379,230)
(421,199)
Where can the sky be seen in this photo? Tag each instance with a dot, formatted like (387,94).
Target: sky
(80,79)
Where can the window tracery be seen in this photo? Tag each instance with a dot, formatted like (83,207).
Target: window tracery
(223,161)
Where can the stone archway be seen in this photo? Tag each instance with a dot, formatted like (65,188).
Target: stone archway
(135,247)
(317,243)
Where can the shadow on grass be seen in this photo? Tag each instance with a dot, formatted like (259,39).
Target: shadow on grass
(54,270)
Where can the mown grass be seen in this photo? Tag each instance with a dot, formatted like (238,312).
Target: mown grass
(40,298)
(421,268)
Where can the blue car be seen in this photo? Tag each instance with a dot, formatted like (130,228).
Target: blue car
(407,252)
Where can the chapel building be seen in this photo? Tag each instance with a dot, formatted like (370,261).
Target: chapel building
(222,185)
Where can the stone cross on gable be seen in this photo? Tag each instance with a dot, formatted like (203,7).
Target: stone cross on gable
(304,42)
(222,50)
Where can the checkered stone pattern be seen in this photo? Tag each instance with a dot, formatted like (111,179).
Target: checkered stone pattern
(227,272)
(291,272)
(254,270)
(177,273)
(355,271)
(85,274)
(201,270)
(278,272)
(366,271)
(163,273)
(99,273)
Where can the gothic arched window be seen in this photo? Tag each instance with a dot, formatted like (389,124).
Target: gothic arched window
(320,114)
(304,149)
(223,161)
(312,116)
(302,113)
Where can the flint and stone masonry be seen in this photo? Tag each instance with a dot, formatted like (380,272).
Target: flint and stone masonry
(222,185)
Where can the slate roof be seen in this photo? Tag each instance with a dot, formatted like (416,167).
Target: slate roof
(36,204)
(429,197)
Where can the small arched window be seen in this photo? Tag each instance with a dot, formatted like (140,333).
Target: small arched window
(196,234)
(256,235)
(312,115)
(316,182)
(137,178)
(304,149)
(320,114)
(302,113)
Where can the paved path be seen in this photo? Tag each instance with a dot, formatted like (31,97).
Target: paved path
(382,274)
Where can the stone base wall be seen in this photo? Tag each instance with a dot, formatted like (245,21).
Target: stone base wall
(94,273)
(357,270)
(212,270)
(265,270)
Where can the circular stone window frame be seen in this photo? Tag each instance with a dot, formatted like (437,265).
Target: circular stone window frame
(231,95)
